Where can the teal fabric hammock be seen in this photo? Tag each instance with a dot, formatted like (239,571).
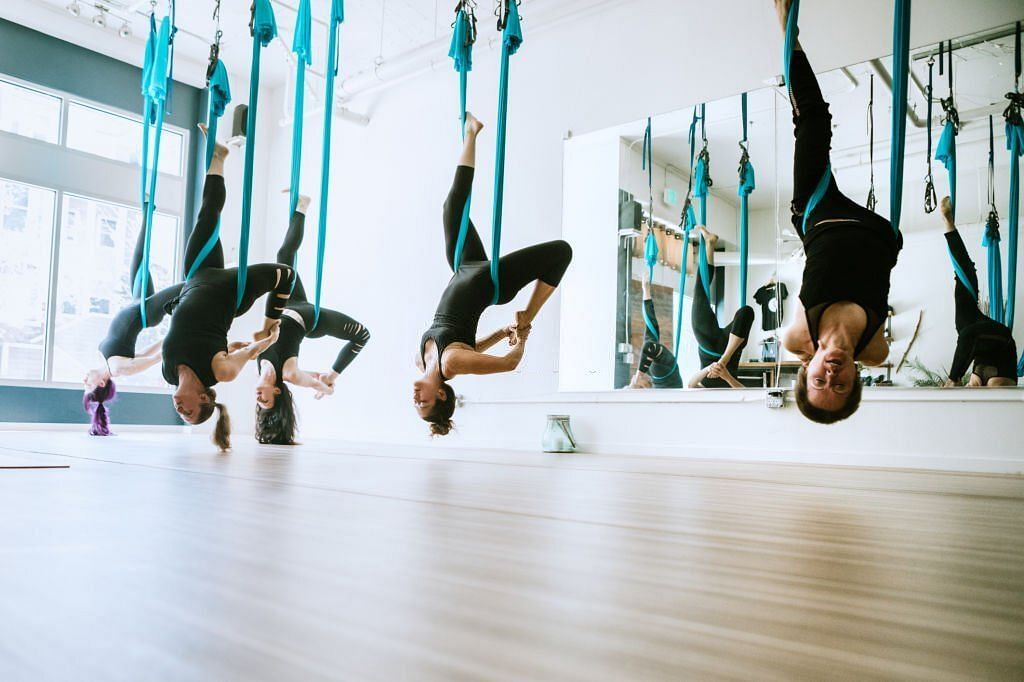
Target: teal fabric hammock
(264,29)
(334,28)
(302,48)
(990,239)
(900,80)
(461,52)
(688,221)
(746,187)
(702,188)
(647,164)
(464,35)
(1015,145)
(156,79)
(218,94)
(511,41)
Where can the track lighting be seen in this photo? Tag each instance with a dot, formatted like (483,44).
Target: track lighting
(100,19)
(125,31)
(73,8)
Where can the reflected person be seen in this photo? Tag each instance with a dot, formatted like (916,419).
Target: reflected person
(981,341)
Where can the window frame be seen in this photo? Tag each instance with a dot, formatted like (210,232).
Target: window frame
(59,156)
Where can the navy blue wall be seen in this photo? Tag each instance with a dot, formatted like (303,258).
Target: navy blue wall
(39,58)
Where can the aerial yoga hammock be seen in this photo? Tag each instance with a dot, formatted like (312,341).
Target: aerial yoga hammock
(1015,145)
(461,52)
(157,72)
(746,186)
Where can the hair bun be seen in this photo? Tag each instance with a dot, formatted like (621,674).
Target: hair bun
(441,428)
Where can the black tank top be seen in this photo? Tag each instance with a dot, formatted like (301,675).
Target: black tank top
(849,260)
(458,312)
(286,347)
(202,316)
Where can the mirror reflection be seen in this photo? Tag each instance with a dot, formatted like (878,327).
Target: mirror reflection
(754,246)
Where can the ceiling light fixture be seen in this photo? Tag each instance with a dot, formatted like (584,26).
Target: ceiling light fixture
(100,19)
(73,8)
(125,31)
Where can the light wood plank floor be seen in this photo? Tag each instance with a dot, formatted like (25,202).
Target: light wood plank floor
(153,558)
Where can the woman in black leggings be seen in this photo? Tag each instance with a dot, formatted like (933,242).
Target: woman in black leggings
(279,364)
(450,347)
(844,298)
(718,348)
(981,341)
(196,353)
(118,347)
(658,366)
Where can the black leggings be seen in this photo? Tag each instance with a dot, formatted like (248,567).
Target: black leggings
(967,311)
(260,279)
(332,323)
(546,262)
(655,358)
(812,125)
(709,334)
(133,271)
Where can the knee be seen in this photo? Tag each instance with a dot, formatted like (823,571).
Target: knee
(363,337)
(563,251)
(744,320)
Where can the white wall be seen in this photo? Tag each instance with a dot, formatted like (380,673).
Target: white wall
(386,265)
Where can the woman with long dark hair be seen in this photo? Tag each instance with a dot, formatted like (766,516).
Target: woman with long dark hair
(278,366)
(196,354)
(983,346)
(450,347)
(118,348)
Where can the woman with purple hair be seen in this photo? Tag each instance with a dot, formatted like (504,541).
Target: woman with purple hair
(118,348)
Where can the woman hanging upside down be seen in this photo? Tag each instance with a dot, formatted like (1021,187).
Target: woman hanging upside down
(196,353)
(844,299)
(980,339)
(658,366)
(118,348)
(718,348)
(279,364)
(450,347)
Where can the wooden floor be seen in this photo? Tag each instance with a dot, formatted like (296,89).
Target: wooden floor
(152,558)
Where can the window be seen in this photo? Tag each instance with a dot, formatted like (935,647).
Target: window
(28,112)
(119,138)
(65,251)
(28,214)
(93,280)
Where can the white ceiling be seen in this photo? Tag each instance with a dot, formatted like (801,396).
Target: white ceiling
(373,29)
(984,73)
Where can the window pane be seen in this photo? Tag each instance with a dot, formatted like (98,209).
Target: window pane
(97,243)
(29,112)
(26,229)
(119,138)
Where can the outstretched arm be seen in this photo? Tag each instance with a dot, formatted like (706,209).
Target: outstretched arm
(227,366)
(459,361)
(494,338)
(696,379)
(123,367)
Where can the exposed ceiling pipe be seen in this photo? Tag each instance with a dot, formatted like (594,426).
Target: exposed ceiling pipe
(883,73)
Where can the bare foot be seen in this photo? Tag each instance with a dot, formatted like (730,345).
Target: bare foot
(220,152)
(473,125)
(782,11)
(709,237)
(946,207)
(521,328)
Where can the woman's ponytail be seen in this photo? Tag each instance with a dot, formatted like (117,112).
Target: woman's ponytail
(94,403)
(222,431)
